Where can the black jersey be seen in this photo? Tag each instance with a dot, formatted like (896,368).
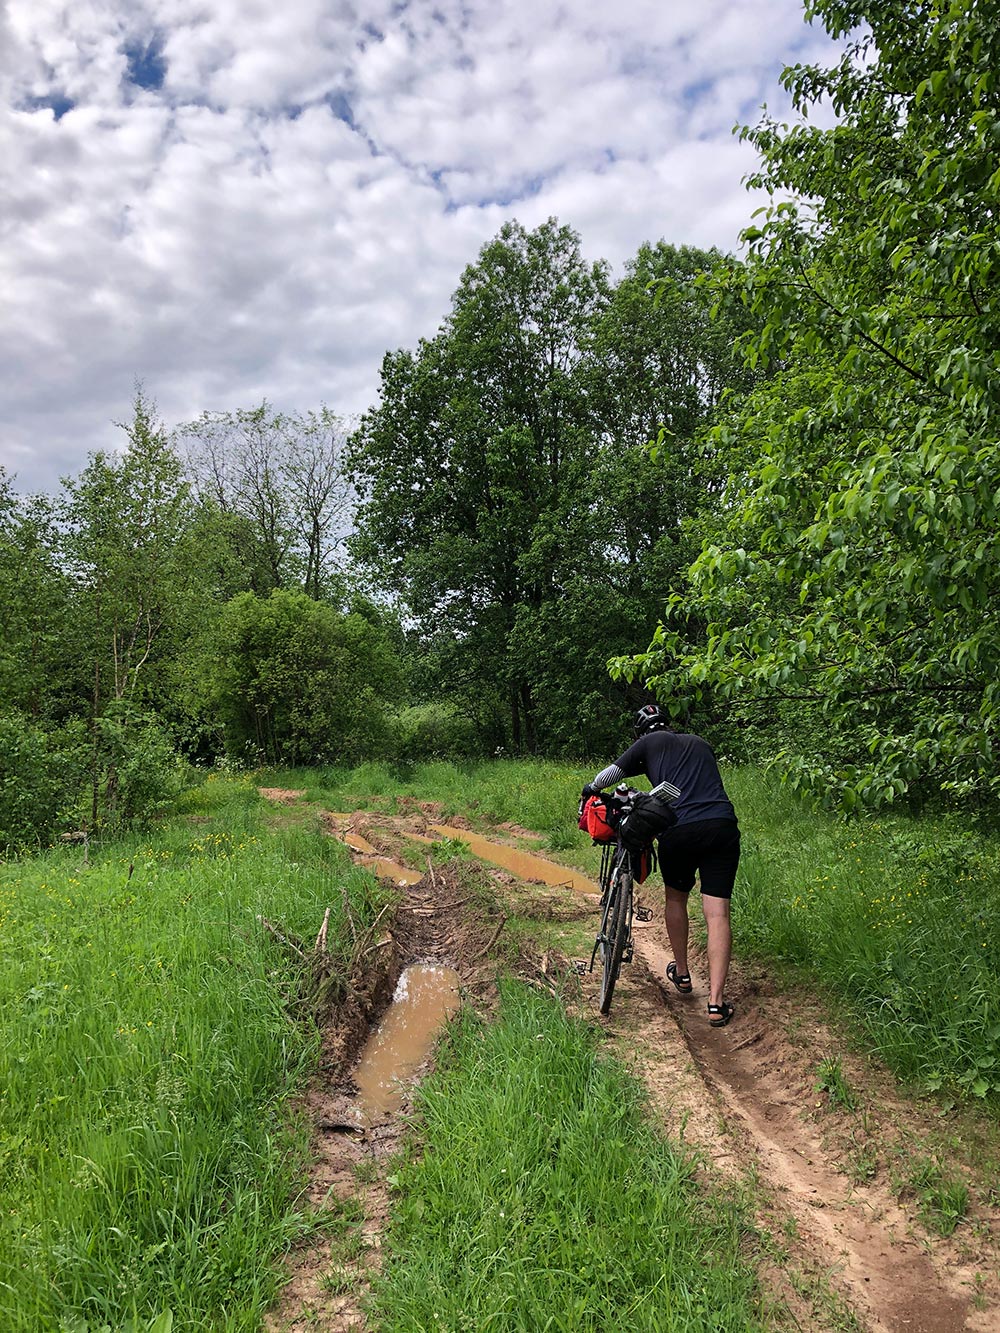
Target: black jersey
(689,763)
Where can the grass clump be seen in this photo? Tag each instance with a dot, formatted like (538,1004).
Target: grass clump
(942,1200)
(830,1078)
(537,1195)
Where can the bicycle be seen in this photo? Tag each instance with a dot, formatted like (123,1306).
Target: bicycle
(621,866)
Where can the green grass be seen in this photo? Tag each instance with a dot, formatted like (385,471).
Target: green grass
(897,917)
(147,1157)
(942,1199)
(536,1195)
(830,1079)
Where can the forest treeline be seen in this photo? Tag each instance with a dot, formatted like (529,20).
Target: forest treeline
(764,489)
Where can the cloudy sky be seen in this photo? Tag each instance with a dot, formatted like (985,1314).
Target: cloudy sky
(233,200)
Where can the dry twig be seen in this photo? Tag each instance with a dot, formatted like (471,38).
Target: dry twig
(349,914)
(361,946)
(492,940)
(281,937)
(320,946)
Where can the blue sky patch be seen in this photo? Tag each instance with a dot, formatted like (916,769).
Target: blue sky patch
(146,66)
(340,105)
(57,103)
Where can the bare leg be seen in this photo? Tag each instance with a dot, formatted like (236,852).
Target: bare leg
(676,913)
(720,944)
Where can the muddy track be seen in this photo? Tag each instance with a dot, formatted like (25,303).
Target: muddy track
(762,1088)
(745,1097)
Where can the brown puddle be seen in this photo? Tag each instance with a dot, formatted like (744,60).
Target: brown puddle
(426,996)
(522,864)
(386,869)
(369,856)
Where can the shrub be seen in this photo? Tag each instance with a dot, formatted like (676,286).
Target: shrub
(298,682)
(433,731)
(40,776)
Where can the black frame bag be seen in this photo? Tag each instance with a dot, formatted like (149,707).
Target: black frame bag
(645,819)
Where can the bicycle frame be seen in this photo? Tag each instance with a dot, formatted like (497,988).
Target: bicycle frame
(614,939)
(621,865)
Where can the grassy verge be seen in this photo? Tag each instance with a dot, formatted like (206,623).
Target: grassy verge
(146,1159)
(535,1194)
(898,917)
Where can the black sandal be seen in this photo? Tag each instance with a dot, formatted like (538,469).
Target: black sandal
(682,980)
(720,1014)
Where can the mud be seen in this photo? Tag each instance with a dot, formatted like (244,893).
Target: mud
(524,865)
(847,1247)
(426,996)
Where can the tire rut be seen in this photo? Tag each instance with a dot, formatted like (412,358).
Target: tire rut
(758,1085)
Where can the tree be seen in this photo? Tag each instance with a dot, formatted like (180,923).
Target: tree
(297,682)
(469,464)
(37,651)
(859,572)
(128,545)
(510,496)
(278,480)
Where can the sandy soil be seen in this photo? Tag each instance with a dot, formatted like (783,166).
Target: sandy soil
(848,1246)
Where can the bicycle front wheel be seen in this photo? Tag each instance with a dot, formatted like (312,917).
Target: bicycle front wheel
(615,936)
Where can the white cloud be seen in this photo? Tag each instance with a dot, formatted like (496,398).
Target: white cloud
(298,187)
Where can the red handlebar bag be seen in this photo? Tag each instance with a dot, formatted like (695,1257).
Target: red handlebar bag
(594,820)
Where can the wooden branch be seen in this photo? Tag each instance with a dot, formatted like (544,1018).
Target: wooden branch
(320,945)
(492,940)
(379,944)
(282,938)
(361,947)
(350,916)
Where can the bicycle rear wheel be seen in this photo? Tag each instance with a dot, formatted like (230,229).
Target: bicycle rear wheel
(615,935)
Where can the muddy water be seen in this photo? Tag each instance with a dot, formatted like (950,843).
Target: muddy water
(522,864)
(425,997)
(369,856)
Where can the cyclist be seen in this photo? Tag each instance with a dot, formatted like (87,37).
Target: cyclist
(705,840)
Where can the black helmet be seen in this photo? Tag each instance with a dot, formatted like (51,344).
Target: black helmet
(649,717)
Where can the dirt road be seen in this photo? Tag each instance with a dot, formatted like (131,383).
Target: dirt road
(849,1247)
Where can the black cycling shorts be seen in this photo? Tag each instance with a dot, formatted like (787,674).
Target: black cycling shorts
(709,848)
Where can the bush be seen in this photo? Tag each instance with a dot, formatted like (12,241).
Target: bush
(297,682)
(40,777)
(139,775)
(433,731)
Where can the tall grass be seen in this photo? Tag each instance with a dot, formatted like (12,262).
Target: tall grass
(147,1156)
(536,1195)
(898,916)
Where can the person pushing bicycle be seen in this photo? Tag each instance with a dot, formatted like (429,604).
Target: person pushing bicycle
(705,841)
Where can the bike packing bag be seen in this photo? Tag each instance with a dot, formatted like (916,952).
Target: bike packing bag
(641,863)
(648,817)
(594,820)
